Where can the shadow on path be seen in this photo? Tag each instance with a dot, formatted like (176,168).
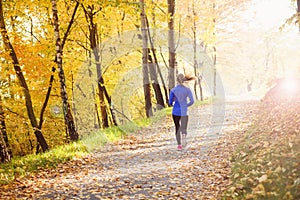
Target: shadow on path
(147,164)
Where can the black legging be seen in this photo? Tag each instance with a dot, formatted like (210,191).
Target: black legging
(180,126)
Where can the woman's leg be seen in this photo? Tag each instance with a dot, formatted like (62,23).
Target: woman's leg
(176,120)
(183,127)
(183,124)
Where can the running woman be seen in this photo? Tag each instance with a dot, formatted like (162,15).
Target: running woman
(179,97)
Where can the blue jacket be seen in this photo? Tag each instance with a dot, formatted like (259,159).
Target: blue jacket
(178,99)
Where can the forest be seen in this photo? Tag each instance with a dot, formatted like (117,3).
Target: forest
(70,68)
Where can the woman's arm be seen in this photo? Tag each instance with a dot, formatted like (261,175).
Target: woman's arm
(171,98)
(191,97)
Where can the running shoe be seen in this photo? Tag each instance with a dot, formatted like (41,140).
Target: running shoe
(179,147)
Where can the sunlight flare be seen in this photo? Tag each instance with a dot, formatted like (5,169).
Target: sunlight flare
(290,85)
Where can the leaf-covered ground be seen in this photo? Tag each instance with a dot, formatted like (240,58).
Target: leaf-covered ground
(146,165)
(267,163)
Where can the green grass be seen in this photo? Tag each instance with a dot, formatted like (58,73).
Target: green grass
(23,166)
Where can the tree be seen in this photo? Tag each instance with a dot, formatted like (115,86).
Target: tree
(9,48)
(154,70)
(90,13)
(30,28)
(145,66)
(156,66)
(214,49)
(66,106)
(5,154)
(196,65)
(171,41)
(53,71)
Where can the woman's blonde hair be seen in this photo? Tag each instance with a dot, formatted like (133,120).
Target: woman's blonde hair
(182,78)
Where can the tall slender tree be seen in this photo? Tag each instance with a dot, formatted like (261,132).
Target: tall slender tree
(214,49)
(146,81)
(53,72)
(196,65)
(152,44)
(171,43)
(90,13)
(94,45)
(154,71)
(63,91)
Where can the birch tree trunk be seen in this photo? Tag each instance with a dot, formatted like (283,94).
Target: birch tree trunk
(171,41)
(214,53)
(214,58)
(69,121)
(9,48)
(53,72)
(146,82)
(194,29)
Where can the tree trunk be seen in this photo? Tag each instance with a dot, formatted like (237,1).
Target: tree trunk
(52,74)
(113,115)
(200,87)
(194,28)
(157,67)
(100,80)
(104,115)
(171,41)
(5,153)
(66,106)
(3,125)
(46,99)
(146,82)
(155,84)
(215,69)
(8,46)
(93,39)
(214,57)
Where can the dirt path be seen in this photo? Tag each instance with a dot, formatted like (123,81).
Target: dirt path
(147,164)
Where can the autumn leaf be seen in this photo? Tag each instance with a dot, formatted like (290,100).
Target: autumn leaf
(263,178)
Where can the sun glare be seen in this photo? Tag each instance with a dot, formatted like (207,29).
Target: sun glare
(272,13)
(290,85)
